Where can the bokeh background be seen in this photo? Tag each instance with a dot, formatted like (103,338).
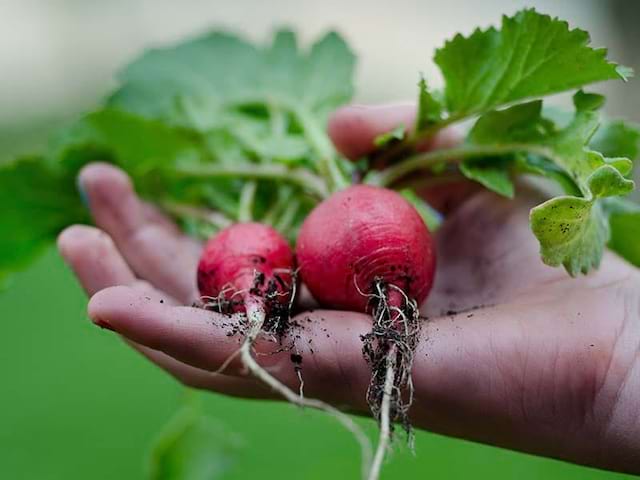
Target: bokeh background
(75,403)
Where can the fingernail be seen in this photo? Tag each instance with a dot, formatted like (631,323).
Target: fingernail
(102,324)
(84,198)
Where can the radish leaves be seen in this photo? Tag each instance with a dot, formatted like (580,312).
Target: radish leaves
(533,55)
(499,76)
(200,124)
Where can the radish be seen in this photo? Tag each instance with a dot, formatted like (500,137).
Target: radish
(367,249)
(248,268)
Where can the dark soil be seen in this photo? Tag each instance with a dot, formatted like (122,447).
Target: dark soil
(391,330)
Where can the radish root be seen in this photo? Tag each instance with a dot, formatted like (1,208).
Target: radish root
(389,349)
(256,318)
(385,421)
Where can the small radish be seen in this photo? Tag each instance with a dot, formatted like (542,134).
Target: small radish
(367,249)
(249,268)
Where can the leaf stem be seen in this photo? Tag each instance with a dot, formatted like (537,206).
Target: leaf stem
(247,196)
(427,160)
(286,219)
(217,219)
(324,149)
(413,140)
(297,176)
(283,195)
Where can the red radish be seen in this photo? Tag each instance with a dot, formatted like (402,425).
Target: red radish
(248,268)
(360,235)
(367,249)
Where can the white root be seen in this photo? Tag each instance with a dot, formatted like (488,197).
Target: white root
(395,330)
(256,317)
(385,412)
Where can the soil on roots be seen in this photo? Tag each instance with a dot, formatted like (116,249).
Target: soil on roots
(277,321)
(395,332)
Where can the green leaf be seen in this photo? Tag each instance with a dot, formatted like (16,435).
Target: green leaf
(568,149)
(517,124)
(588,101)
(135,143)
(573,229)
(327,82)
(572,232)
(430,109)
(606,181)
(493,173)
(220,81)
(38,202)
(624,222)
(617,138)
(532,55)
(218,71)
(386,138)
(522,126)
(192,447)
(538,165)
(214,66)
(432,218)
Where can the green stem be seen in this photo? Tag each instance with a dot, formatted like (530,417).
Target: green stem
(317,137)
(283,195)
(286,219)
(278,119)
(320,142)
(297,176)
(427,160)
(413,140)
(247,196)
(181,210)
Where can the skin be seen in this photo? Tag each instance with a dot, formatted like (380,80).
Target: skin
(541,362)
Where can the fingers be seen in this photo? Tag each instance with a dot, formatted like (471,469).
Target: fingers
(150,243)
(201,379)
(328,342)
(354,128)
(94,259)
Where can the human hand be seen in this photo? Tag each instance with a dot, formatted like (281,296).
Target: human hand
(535,360)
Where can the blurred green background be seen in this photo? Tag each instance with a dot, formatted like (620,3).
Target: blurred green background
(76,402)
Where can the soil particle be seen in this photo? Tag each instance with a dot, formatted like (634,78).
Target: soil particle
(400,333)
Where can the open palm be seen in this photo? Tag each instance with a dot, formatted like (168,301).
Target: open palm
(514,353)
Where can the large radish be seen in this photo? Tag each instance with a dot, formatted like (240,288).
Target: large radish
(367,249)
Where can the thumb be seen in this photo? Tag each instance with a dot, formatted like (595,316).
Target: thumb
(353,129)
